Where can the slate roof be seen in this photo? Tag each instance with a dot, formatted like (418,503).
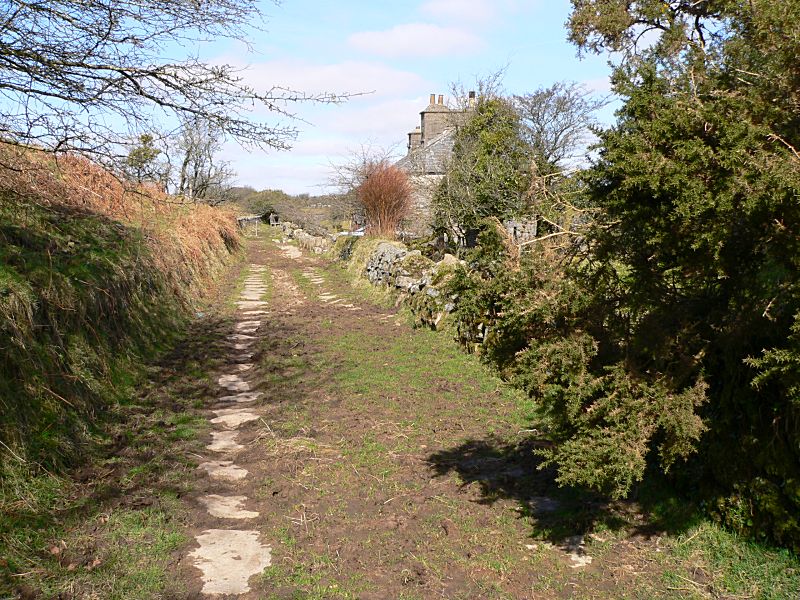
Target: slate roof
(432,158)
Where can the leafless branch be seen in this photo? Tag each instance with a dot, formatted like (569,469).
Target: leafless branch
(88,75)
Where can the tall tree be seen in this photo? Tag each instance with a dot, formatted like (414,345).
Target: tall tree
(556,121)
(697,241)
(489,173)
(201,174)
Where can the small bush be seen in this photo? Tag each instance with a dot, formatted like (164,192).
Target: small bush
(386,196)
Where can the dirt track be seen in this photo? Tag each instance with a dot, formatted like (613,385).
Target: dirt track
(386,464)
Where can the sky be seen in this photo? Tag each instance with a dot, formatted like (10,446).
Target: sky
(395,54)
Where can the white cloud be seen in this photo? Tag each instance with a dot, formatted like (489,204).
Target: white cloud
(318,146)
(344,77)
(281,171)
(600,85)
(389,120)
(472,11)
(416,40)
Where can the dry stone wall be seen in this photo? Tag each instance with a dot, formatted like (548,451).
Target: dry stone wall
(418,280)
(313,243)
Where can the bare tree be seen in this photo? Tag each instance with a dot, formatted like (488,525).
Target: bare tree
(486,87)
(201,175)
(348,174)
(556,121)
(87,75)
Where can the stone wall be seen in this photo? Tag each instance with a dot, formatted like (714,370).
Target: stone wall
(313,243)
(522,231)
(418,280)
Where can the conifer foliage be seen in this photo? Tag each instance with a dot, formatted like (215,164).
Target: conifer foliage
(670,339)
(699,185)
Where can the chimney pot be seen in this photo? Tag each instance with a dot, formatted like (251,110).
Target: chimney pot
(433,99)
(441,99)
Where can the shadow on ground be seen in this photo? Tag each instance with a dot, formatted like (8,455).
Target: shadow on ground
(512,471)
(146,449)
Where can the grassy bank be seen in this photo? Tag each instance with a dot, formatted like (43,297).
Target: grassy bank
(96,279)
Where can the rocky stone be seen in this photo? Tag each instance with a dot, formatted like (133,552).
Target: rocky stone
(241,398)
(224,441)
(223,470)
(228,558)
(250,304)
(234,383)
(448,260)
(407,284)
(247,326)
(379,268)
(227,507)
(233,417)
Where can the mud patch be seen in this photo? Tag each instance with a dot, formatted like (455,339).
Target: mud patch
(291,251)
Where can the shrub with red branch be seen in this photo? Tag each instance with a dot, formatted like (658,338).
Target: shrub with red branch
(385,194)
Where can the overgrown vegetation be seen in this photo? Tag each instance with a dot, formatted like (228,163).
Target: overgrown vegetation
(93,277)
(666,336)
(488,175)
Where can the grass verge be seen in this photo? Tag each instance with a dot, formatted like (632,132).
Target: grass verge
(96,280)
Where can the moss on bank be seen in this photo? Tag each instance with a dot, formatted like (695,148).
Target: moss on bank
(82,300)
(96,279)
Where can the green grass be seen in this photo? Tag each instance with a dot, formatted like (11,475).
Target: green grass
(54,539)
(82,302)
(315,579)
(403,364)
(107,525)
(350,282)
(737,567)
(131,564)
(424,383)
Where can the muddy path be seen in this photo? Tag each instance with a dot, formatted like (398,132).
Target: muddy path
(351,456)
(300,440)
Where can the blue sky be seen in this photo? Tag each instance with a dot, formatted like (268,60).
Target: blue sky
(400,52)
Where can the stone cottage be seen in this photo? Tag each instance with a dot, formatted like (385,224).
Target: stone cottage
(430,146)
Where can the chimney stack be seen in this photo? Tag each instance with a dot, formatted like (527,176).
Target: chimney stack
(433,99)
(471,101)
(441,99)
